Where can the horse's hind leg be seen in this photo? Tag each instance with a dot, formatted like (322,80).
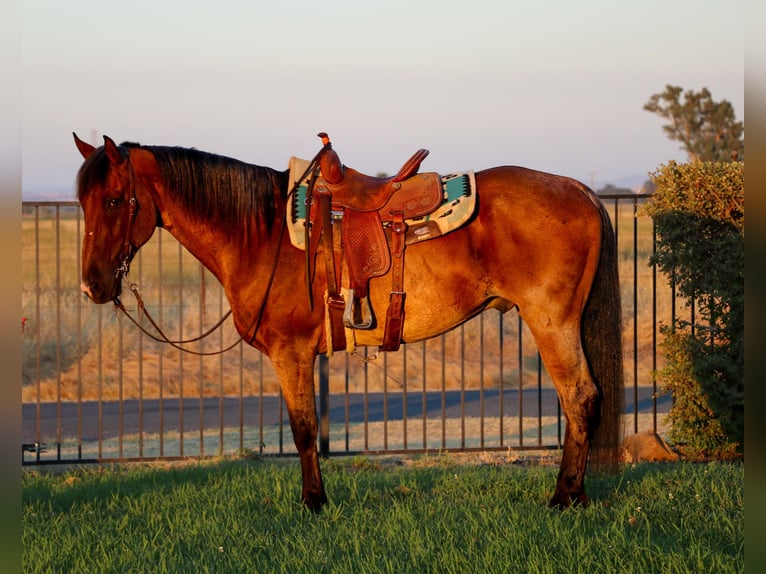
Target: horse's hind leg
(562,353)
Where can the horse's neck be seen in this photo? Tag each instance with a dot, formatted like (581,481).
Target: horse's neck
(216,246)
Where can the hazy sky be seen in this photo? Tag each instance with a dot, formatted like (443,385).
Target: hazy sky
(552,85)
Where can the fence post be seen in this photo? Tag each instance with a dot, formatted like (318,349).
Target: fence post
(324,406)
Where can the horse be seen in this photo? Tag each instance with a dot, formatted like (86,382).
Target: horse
(538,242)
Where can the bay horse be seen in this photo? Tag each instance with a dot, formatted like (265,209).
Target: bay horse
(539,242)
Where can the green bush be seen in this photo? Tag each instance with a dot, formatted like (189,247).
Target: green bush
(699,212)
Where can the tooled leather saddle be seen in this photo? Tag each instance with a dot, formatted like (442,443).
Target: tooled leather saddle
(372,212)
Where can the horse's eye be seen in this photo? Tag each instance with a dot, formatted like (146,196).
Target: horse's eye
(113,203)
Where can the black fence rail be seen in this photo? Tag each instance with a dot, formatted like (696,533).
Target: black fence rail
(96,389)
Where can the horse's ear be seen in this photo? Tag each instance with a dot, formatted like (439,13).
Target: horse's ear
(112,151)
(85,148)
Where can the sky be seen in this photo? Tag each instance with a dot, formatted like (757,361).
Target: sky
(552,85)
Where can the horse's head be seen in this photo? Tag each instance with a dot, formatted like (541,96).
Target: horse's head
(120,215)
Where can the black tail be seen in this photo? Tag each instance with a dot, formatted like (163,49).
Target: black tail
(602,340)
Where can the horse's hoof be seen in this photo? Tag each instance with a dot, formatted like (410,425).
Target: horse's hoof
(315,501)
(564,501)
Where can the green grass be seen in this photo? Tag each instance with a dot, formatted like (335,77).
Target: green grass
(429,514)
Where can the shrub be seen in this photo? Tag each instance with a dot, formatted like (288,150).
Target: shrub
(699,212)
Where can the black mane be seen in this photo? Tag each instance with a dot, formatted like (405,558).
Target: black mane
(212,187)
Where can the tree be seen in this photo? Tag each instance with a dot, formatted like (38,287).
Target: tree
(708,130)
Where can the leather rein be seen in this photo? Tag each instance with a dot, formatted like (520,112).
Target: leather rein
(128,251)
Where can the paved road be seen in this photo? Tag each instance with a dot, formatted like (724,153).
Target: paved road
(131,416)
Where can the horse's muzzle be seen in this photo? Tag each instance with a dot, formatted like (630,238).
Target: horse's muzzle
(97,292)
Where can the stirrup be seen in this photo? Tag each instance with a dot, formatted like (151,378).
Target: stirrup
(358,313)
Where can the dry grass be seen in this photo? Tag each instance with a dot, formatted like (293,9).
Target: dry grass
(75,350)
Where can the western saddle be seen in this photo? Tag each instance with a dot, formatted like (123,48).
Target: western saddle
(373,212)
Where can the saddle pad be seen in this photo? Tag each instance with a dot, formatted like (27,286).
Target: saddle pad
(457,207)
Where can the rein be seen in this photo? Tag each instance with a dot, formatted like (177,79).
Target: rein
(162,337)
(128,251)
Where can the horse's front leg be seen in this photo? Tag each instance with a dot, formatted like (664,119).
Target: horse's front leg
(297,380)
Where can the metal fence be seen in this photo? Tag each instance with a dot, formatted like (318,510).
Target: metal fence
(95,389)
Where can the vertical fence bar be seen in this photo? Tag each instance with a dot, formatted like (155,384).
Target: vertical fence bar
(444,390)
(140,370)
(404,396)
(202,321)
(385,401)
(38,336)
(481,380)
(462,386)
(539,400)
(692,318)
(221,393)
(654,326)
(242,404)
(424,394)
(261,407)
(120,418)
(635,315)
(672,301)
(281,415)
(160,365)
(180,353)
(366,382)
(501,406)
(346,404)
(100,379)
(78,235)
(261,441)
(520,349)
(59,437)
(324,406)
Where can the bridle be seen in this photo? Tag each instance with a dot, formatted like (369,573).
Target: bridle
(126,255)
(128,251)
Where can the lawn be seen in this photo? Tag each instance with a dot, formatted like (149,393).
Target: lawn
(437,513)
